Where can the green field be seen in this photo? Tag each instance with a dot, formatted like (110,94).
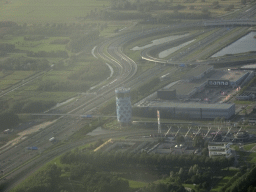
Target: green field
(35,46)
(11,78)
(48,11)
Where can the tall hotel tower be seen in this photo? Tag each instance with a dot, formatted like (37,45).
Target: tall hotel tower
(123,105)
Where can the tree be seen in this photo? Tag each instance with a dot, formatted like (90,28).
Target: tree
(243,2)
(180,139)
(198,141)
(8,119)
(215,3)
(192,7)
(205,151)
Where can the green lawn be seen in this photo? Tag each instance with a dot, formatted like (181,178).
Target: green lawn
(137,184)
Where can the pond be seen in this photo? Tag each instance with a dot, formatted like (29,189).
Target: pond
(245,44)
(159,41)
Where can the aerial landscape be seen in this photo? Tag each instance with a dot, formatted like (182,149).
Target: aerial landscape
(127,96)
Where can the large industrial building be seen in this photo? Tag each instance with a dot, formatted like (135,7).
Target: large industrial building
(202,77)
(193,110)
(200,94)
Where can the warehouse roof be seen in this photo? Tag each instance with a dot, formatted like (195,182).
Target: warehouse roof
(163,104)
(198,70)
(228,75)
(183,88)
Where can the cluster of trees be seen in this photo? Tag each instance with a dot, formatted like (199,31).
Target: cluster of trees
(90,171)
(46,180)
(105,183)
(8,27)
(95,71)
(8,119)
(242,182)
(59,53)
(7,47)
(181,169)
(23,63)
(49,179)
(164,187)
(116,15)
(34,37)
(31,106)
(96,181)
(60,41)
(193,175)
(142,6)
(165,18)
(161,163)
(78,42)
(8,24)
(54,85)
(54,29)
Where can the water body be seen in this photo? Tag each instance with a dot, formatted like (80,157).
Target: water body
(159,41)
(245,44)
(167,52)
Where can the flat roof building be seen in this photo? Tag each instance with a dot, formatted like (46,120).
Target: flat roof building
(219,149)
(193,110)
(198,72)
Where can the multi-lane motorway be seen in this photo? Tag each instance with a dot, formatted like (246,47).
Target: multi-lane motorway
(16,159)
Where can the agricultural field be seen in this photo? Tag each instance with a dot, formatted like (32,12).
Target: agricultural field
(46,44)
(8,79)
(48,11)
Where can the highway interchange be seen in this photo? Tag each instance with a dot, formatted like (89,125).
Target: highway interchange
(16,160)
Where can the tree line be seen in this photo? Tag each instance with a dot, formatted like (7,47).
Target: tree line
(52,54)
(31,106)
(115,161)
(242,182)
(107,172)
(190,169)
(58,85)
(79,41)
(8,120)
(25,64)
(95,71)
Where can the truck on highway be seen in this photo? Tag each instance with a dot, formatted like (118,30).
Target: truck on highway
(32,148)
(52,139)
(85,116)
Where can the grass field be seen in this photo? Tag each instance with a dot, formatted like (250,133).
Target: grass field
(9,79)
(52,11)
(136,184)
(67,11)
(35,46)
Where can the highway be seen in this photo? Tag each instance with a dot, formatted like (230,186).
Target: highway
(16,159)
